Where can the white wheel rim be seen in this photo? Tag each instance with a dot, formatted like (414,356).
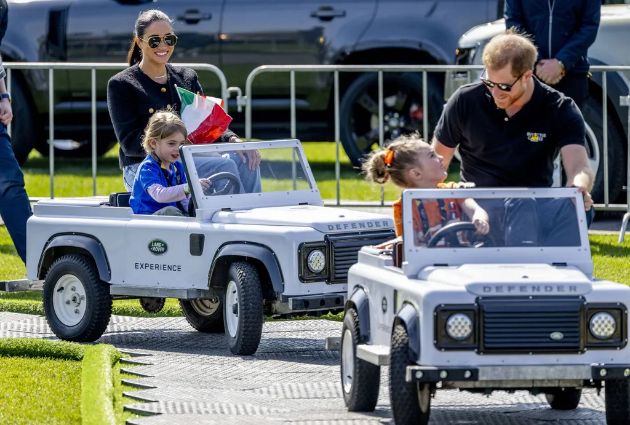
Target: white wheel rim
(205,306)
(231,308)
(69,300)
(347,361)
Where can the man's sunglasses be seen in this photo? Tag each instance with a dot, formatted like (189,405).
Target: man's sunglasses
(155,40)
(501,86)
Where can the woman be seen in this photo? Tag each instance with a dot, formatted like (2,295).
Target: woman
(147,86)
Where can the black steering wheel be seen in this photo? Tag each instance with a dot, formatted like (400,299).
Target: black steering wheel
(449,234)
(232,184)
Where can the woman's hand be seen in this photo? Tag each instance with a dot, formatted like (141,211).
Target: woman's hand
(252,157)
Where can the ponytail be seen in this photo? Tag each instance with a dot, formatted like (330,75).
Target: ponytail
(134,55)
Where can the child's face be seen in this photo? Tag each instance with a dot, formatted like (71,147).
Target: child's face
(167,148)
(430,170)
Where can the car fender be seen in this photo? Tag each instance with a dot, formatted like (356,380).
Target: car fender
(408,316)
(251,250)
(75,243)
(360,302)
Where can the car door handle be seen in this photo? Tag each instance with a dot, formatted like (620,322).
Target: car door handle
(193,16)
(328,13)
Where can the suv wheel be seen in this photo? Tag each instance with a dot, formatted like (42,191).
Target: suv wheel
(403,112)
(617,402)
(203,314)
(360,380)
(411,402)
(243,308)
(564,398)
(76,303)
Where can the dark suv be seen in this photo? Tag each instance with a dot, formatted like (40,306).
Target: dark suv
(237,36)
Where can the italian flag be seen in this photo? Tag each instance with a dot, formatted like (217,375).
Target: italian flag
(203,116)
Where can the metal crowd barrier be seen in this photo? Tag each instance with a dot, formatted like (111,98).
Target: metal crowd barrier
(92,67)
(246,101)
(424,70)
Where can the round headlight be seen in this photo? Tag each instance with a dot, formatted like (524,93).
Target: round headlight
(602,325)
(316,261)
(459,326)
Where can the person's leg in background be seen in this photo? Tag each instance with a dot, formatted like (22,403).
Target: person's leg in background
(522,222)
(129,175)
(249,178)
(15,208)
(208,166)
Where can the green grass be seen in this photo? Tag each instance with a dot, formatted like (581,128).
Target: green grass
(73,177)
(55,382)
(30,302)
(37,391)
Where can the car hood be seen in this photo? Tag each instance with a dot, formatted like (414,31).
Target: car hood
(323,219)
(511,279)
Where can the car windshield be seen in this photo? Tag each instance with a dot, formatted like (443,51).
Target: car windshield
(477,221)
(233,174)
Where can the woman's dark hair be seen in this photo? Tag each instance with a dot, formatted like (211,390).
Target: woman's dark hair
(145,18)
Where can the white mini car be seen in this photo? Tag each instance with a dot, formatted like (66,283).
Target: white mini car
(243,255)
(517,309)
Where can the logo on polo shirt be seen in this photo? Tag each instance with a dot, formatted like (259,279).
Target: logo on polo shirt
(536,137)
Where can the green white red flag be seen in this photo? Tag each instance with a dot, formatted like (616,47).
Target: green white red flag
(203,116)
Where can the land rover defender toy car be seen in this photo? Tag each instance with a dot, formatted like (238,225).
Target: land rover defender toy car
(516,309)
(243,255)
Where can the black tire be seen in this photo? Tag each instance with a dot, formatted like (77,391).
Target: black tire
(152,304)
(563,398)
(411,402)
(617,402)
(360,380)
(243,309)
(359,110)
(204,315)
(593,115)
(24,131)
(72,287)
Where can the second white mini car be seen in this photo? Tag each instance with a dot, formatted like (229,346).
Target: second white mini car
(517,309)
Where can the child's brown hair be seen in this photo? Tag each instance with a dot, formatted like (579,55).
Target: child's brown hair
(392,161)
(162,124)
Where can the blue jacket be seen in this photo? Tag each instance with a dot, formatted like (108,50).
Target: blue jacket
(149,173)
(562,29)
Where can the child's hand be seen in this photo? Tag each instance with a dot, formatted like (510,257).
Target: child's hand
(205,183)
(481,221)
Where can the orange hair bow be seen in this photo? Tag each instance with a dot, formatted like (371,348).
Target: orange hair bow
(389,157)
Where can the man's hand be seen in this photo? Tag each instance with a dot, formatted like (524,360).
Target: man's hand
(550,71)
(588,200)
(6,112)
(481,221)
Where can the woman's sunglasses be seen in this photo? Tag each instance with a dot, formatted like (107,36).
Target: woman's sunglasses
(501,86)
(155,40)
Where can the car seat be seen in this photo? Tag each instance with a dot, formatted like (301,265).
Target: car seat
(119,199)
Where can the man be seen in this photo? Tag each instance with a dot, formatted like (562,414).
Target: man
(563,30)
(509,127)
(15,208)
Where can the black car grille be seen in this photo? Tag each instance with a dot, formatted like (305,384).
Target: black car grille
(344,251)
(536,325)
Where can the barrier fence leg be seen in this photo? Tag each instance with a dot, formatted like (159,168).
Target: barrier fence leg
(625,101)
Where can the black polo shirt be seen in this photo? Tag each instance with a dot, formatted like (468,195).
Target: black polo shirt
(500,151)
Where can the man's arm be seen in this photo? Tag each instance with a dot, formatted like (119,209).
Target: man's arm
(513,14)
(444,151)
(577,167)
(584,37)
(6,112)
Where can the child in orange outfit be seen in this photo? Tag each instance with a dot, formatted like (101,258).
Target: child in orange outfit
(413,164)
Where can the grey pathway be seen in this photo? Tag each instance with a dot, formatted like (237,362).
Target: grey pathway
(292,379)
